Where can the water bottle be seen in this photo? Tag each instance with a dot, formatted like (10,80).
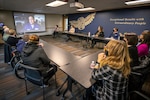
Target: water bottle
(89,34)
(92,64)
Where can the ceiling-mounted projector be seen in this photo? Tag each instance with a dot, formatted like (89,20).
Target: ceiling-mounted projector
(77,4)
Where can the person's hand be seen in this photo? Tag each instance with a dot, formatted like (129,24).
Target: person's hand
(96,35)
(41,44)
(96,66)
(101,56)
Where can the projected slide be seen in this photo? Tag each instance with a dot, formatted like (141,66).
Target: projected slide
(29,22)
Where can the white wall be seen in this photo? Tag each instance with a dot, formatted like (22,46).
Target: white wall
(52,21)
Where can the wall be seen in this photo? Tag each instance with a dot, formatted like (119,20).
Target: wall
(7,18)
(51,21)
(126,20)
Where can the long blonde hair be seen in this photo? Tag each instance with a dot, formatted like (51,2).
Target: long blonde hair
(118,56)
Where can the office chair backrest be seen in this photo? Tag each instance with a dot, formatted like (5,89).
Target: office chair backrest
(138,74)
(7,52)
(15,59)
(33,74)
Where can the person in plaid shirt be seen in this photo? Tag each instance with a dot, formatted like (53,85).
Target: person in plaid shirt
(112,69)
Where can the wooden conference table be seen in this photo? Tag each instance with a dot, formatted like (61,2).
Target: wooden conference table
(80,71)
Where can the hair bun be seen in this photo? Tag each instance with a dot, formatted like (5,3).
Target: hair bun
(34,38)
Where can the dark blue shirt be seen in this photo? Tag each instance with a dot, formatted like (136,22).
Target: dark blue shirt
(29,27)
(114,35)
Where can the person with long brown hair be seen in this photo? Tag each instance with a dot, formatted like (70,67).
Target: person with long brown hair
(112,68)
(99,33)
(132,40)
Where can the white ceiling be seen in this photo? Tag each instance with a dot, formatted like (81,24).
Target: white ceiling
(38,6)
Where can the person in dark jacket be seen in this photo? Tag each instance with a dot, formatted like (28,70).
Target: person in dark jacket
(98,33)
(10,44)
(12,39)
(35,56)
(115,34)
(132,40)
(136,78)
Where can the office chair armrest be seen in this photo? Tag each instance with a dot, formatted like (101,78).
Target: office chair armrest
(49,69)
(30,67)
(140,94)
(136,73)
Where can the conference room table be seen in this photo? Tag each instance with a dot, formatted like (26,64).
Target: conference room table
(58,55)
(75,67)
(80,71)
(86,37)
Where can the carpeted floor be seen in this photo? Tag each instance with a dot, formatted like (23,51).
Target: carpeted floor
(1,53)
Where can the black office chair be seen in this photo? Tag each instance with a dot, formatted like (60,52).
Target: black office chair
(8,52)
(15,58)
(139,74)
(34,75)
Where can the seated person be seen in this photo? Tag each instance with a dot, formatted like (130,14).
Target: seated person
(31,25)
(139,73)
(11,42)
(4,27)
(132,40)
(112,68)
(135,82)
(35,56)
(12,39)
(99,33)
(6,33)
(115,34)
(21,43)
(55,31)
(71,30)
(143,47)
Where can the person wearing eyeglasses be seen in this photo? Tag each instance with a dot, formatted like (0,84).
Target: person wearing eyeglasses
(115,34)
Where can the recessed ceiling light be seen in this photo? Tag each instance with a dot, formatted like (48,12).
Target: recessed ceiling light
(137,2)
(56,3)
(86,9)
